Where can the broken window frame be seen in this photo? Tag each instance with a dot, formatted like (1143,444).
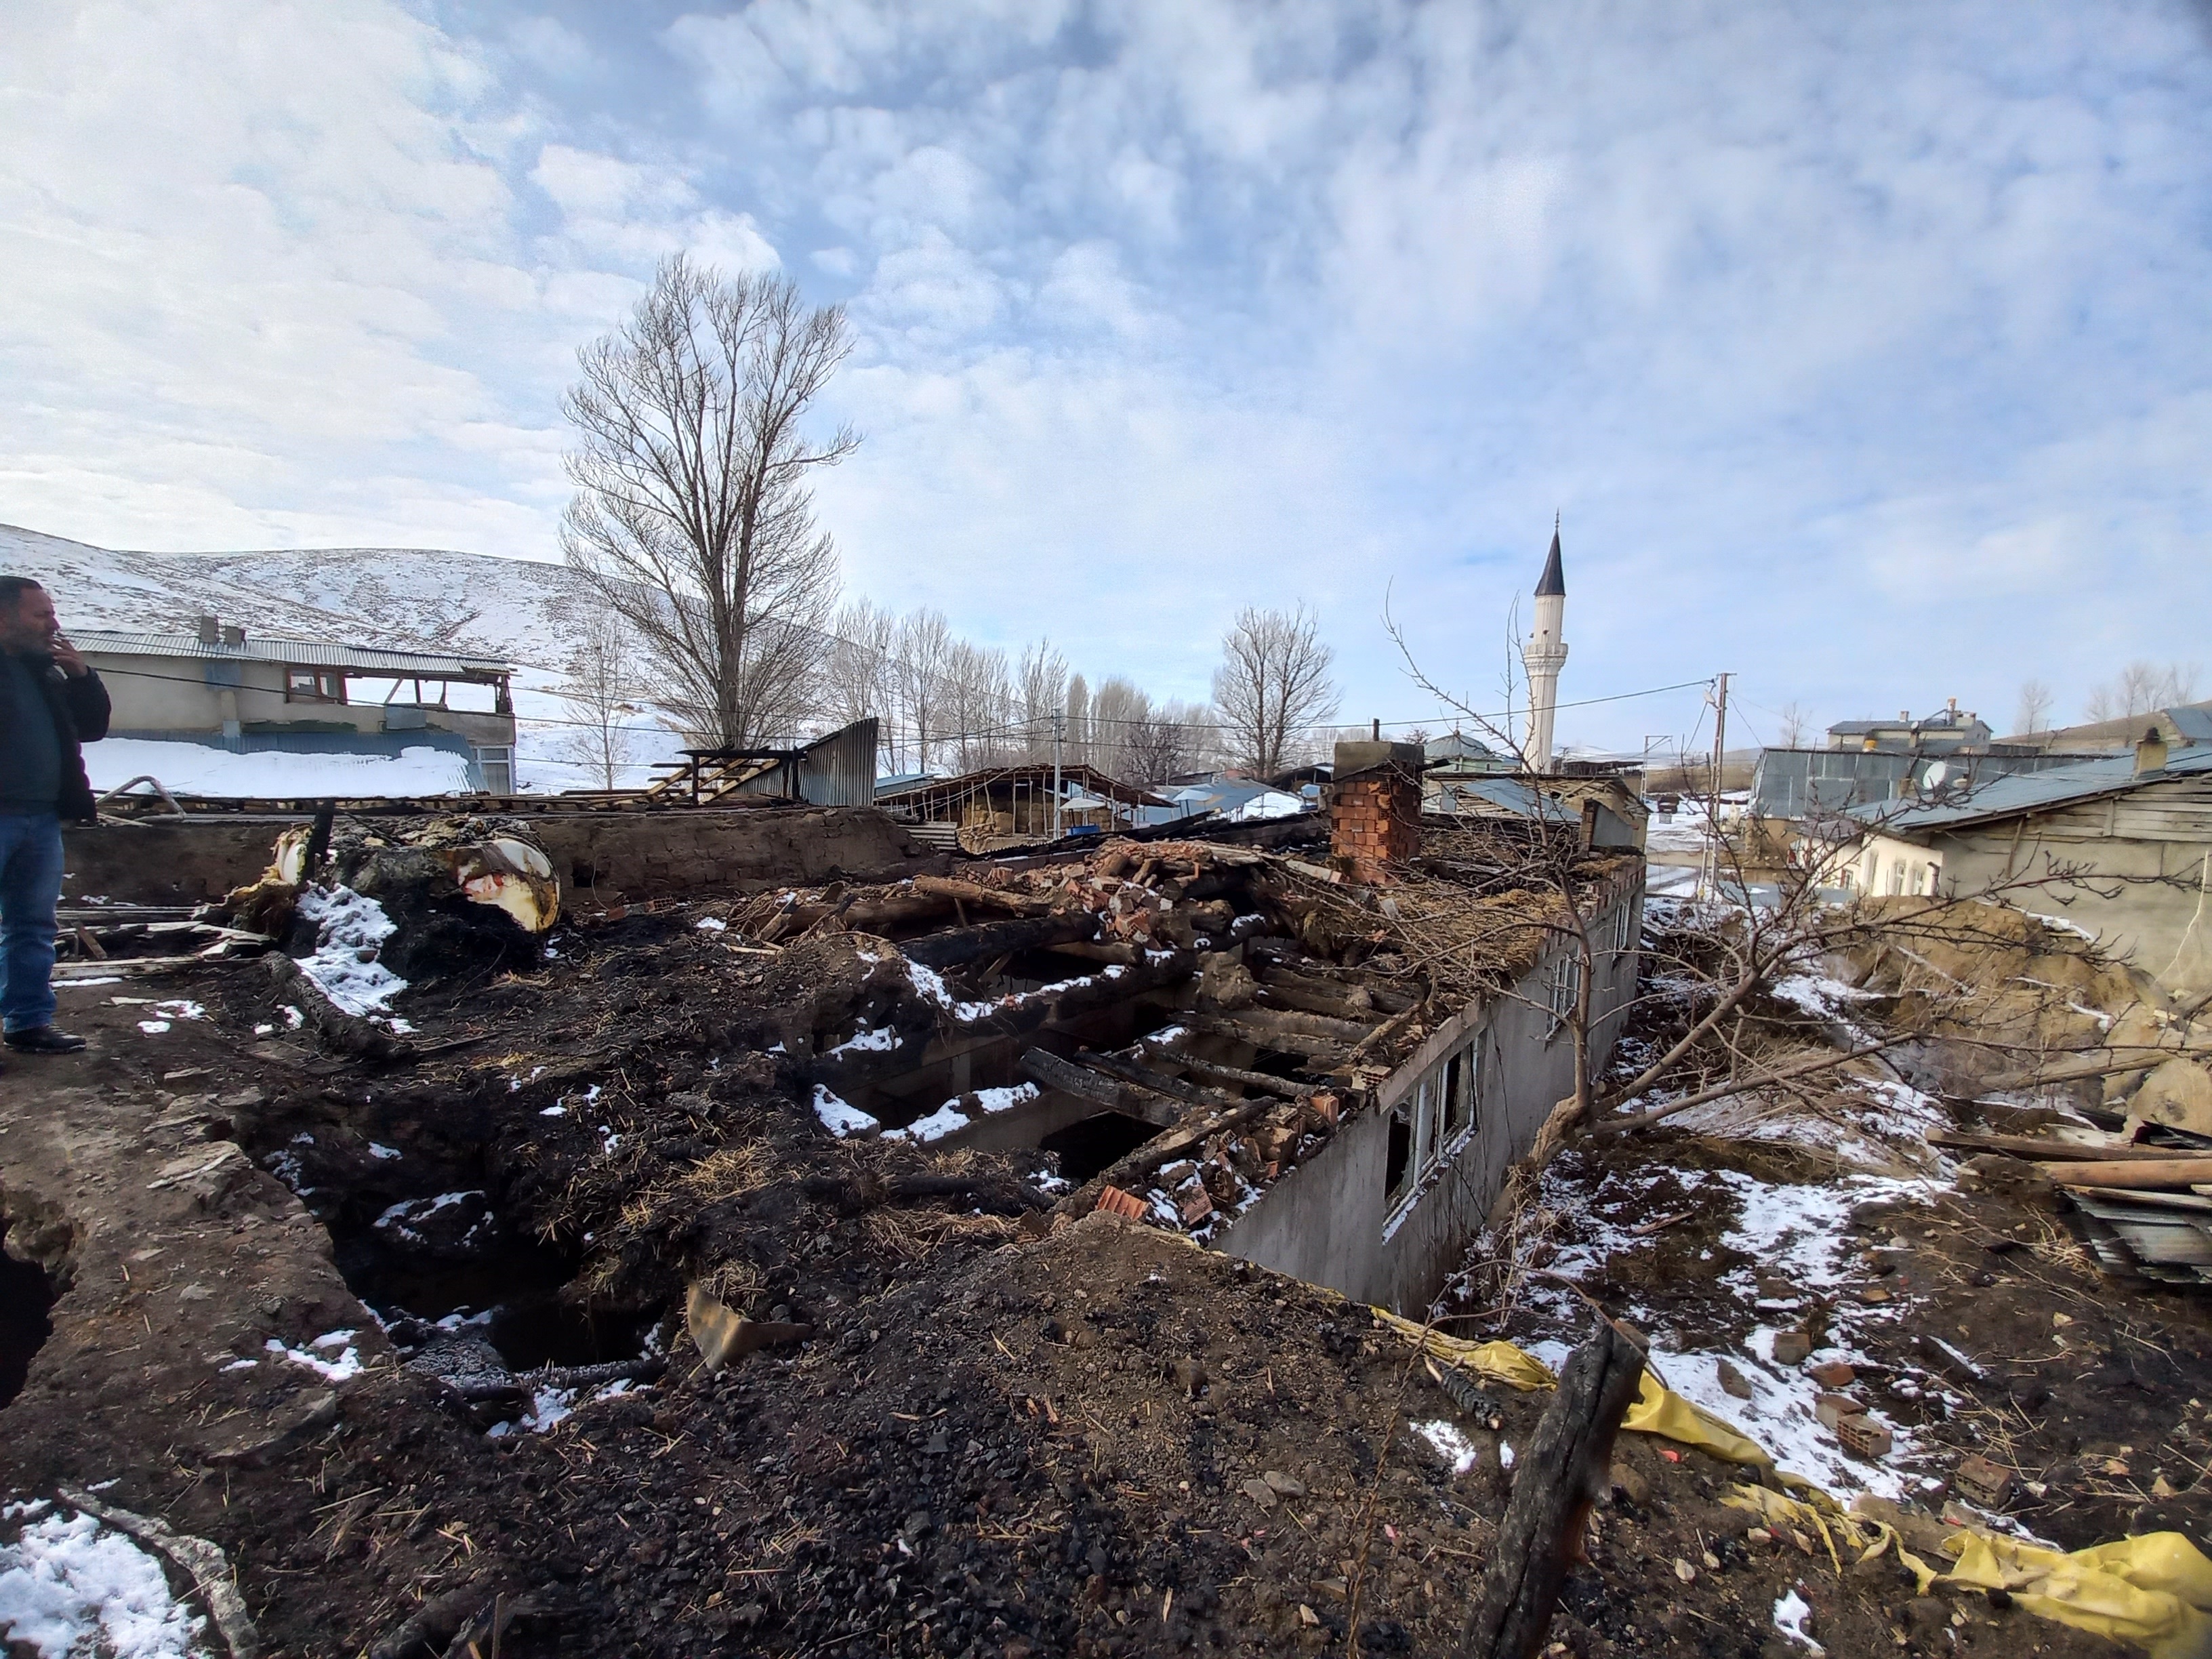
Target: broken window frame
(1399,1170)
(1462,1095)
(322,684)
(1562,990)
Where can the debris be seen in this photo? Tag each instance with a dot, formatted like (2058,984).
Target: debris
(722,1336)
(1948,1359)
(1984,1483)
(1115,1202)
(1832,1408)
(1260,1493)
(1862,1436)
(306,1417)
(1625,1482)
(1833,1374)
(1791,1347)
(1732,1380)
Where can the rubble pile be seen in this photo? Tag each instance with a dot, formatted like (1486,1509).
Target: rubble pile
(565,1320)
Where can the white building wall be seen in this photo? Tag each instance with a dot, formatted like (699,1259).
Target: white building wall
(1330,1221)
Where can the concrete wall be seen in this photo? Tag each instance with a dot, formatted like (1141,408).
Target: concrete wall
(1329,1220)
(600,858)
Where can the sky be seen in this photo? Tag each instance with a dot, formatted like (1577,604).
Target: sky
(1862,351)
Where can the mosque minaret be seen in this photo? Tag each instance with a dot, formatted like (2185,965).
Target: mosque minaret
(1544,655)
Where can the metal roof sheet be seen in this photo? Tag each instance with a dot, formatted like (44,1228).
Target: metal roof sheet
(2032,791)
(2192,720)
(305,653)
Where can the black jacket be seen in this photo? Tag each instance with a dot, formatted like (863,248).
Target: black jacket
(78,708)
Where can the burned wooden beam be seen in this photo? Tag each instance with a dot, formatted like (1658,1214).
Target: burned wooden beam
(987,940)
(1110,1094)
(1145,1076)
(1282,1086)
(1562,1473)
(1161,1149)
(1244,1029)
(970,892)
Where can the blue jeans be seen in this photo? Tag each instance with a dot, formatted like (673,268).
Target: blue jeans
(30,887)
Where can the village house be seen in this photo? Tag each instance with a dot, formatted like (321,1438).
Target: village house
(2132,831)
(1000,806)
(219,687)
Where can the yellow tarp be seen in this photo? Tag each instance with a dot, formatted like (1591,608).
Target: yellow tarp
(1658,1410)
(2154,1590)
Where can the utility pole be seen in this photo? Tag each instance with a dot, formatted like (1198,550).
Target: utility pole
(1720,761)
(1059,731)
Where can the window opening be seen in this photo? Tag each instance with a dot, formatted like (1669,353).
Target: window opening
(314,685)
(1399,1161)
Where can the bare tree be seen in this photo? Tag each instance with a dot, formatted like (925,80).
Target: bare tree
(1043,696)
(2032,713)
(922,656)
(978,700)
(1272,684)
(693,510)
(1118,707)
(1163,743)
(859,677)
(1796,722)
(600,741)
(2141,687)
(1076,750)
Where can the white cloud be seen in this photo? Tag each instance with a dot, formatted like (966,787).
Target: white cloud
(1830,334)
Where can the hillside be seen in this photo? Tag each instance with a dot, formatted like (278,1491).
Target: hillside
(425,598)
(385,596)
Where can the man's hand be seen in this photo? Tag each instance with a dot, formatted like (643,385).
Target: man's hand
(70,662)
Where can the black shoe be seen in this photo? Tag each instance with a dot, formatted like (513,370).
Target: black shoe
(43,1040)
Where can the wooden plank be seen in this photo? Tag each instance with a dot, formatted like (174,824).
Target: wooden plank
(1262,1036)
(2042,1146)
(1145,1078)
(991,939)
(2149,1175)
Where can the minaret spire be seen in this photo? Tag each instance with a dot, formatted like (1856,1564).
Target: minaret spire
(1545,655)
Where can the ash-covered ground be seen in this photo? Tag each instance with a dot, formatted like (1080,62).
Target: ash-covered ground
(263,1258)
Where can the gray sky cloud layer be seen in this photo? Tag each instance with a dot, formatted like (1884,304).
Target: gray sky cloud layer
(1864,349)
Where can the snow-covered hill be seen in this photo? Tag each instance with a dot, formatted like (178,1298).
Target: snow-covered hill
(384,596)
(526,613)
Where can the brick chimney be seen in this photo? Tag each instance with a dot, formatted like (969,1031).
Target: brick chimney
(210,631)
(1375,809)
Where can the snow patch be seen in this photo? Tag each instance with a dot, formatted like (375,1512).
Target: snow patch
(346,1365)
(349,930)
(71,1587)
(1791,1613)
(841,1119)
(1448,1443)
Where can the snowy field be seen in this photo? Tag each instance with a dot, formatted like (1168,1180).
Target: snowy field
(195,768)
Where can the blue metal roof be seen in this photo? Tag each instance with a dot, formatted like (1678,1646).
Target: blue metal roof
(2032,791)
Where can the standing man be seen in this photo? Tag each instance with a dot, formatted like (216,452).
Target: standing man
(51,701)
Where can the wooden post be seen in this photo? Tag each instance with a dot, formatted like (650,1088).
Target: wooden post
(1562,1473)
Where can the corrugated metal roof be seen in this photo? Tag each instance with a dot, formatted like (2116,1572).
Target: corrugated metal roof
(305,653)
(2192,720)
(2032,791)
